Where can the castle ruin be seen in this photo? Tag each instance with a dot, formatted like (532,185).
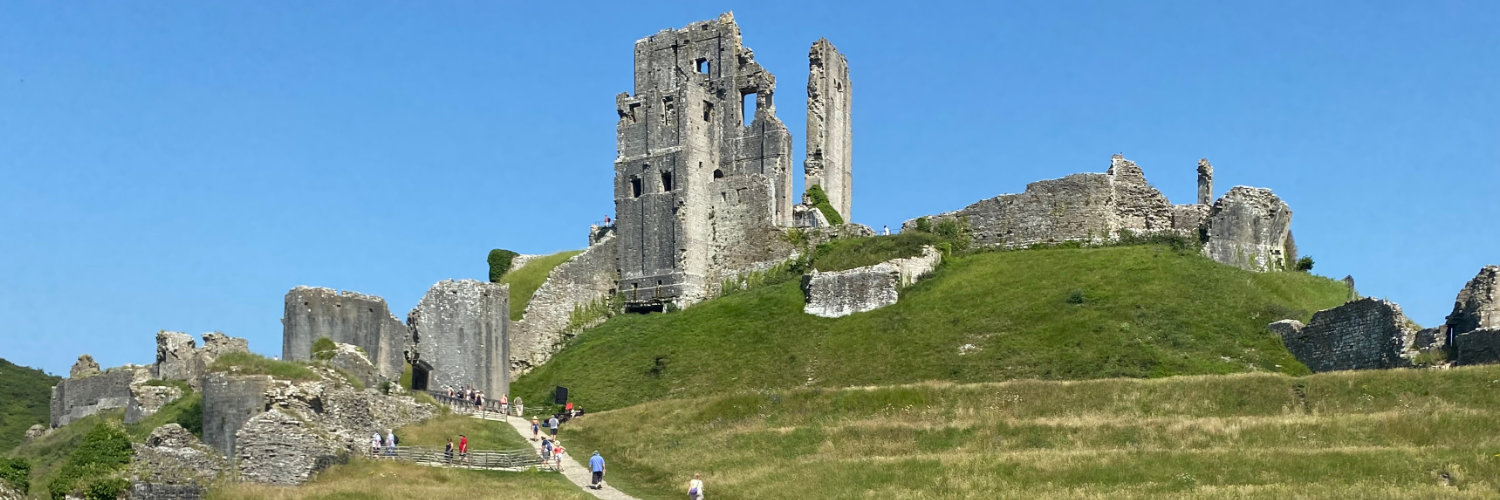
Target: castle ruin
(703,178)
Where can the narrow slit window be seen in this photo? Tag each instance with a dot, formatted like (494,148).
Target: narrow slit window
(666,181)
(635,187)
(747,108)
(666,108)
(708,111)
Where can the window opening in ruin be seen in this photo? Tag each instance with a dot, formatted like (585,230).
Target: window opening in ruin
(708,110)
(630,114)
(635,187)
(747,108)
(718,173)
(703,65)
(666,108)
(666,181)
(420,373)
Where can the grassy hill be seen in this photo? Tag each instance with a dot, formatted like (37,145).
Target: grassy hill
(526,279)
(1060,313)
(25,399)
(378,480)
(1369,434)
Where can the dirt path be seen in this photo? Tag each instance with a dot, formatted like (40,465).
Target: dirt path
(575,471)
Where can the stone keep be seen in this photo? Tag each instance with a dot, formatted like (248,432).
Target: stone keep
(829,137)
(695,169)
(348,317)
(1478,303)
(1363,334)
(460,332)
(1248,228)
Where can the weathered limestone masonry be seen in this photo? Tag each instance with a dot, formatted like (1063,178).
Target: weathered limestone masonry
(1205,182)
(585,281)
(1248,228)
(1079,207)
(178,359)
(277,448)
(701,184)
(460,335)
(93,391)
(348,317)
(1478,303)
(829,137)
(173,464)
(146,400)
(841,293)
(228,402)
(1363,334)
(1477,347)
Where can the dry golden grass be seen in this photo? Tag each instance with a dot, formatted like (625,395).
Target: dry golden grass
(1378,434)
(379,480)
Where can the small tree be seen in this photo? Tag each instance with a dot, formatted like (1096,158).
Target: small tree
(500,260)
(1305,264)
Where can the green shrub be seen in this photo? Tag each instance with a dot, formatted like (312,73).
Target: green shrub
(255,364)
(89,469)
(16,474)
(844,254)
(1305,264)
(1076,297)
(500,260)
(323,349)
(820,201)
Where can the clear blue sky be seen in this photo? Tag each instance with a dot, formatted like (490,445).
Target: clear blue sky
(181,165)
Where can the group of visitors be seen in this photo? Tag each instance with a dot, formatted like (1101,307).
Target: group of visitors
(463,449)
(390,444)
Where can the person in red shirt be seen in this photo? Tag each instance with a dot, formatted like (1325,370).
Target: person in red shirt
(463,448)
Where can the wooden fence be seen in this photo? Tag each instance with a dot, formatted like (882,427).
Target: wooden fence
(488,459)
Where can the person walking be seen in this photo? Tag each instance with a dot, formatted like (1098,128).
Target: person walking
(479,403)
(546,450)
(535,429)
(596,466)
(557,456)
(552,423)
(695,487)
(375,444)
(448,452)
(504,407)
(463,448)
(390,443)
(520,408)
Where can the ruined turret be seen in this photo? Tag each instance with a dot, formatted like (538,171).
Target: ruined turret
(1205,182)
(829,150)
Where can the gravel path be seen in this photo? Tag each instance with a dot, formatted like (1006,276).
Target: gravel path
(575,471)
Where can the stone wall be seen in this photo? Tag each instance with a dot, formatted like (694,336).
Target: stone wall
(841,293)
(1478,303)
(1079,207)
(348,317)
(461,335)
(1477,347)
(586,280)
(75,398)
(911,269)
(177,358)
(829,135)
(1363,334)
(278,448)
(1248,228)
(146,400)
(228,402)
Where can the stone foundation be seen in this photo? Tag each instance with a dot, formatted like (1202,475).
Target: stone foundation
(1364,334)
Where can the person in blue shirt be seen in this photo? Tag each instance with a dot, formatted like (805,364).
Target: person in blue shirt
(596,464)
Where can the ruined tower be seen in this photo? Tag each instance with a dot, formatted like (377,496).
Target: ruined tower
(696,166)
(1205,182)
(829,142)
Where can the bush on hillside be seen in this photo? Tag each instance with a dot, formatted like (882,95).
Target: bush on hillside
(1305,264)
(819,200)
(24,396)
(844,254)
(953,233)
(89,469)
(500,260)
(15,473)
(323,349)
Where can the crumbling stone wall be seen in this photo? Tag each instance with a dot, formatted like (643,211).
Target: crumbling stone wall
(1363,334)
(278,448)
(829,136)
(348,317)
(146,400)
(228,402)
(461,335)
(586,280)
(75,398)
(683,130)
(1079,207)
(1478,303)
(1248,228)
(1477,347)
(177,358)
(84,367)
(841,293)
(173,464)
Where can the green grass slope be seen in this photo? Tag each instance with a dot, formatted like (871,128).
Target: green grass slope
(380,480)
(1368,434)
(1063,313)
(25,400)
(525,280)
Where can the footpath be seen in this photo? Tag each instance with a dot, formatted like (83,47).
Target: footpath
(572,468)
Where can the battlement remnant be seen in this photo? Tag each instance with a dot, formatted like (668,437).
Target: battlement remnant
(348,317)
(1205,182)
(829,137)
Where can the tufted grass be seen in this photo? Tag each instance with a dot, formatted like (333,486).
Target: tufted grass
(1370,434)
(525,280)
(843,254)
(1058,313)
(382,480)
(246,363)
